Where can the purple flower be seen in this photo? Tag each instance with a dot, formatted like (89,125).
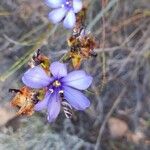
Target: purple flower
(61,82)
(64,10)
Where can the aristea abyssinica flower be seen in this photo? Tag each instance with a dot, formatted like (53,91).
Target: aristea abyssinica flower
(61,82)
(64,10)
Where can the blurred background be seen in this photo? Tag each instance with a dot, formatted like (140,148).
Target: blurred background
(119,116)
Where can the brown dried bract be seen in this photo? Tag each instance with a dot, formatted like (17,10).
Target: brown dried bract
(25,99)
(82,45)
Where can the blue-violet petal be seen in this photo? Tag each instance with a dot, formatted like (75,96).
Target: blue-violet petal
(53,107)
(43,103)
(77,5)
(56,15)
(36,78)
(76,98)
(70,19)
(58,69)
(77,79)
(54,3)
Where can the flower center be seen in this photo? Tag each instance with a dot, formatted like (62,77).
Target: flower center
(67,4)
(56,86)
(56,83)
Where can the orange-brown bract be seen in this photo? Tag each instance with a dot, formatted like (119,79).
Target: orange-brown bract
(25,99)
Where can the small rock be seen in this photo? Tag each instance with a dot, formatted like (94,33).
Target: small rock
(6,114)
(117,128)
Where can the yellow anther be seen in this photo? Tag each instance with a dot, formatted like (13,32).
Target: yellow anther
(56,83)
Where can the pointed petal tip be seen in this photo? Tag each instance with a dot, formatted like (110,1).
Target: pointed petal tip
(90,80)
(50,120)
(77,5)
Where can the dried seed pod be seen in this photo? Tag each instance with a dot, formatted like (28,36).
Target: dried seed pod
(80,19)
(82,46)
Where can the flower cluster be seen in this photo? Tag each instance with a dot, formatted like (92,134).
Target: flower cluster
(64,10)
(61,82)
(48,85)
